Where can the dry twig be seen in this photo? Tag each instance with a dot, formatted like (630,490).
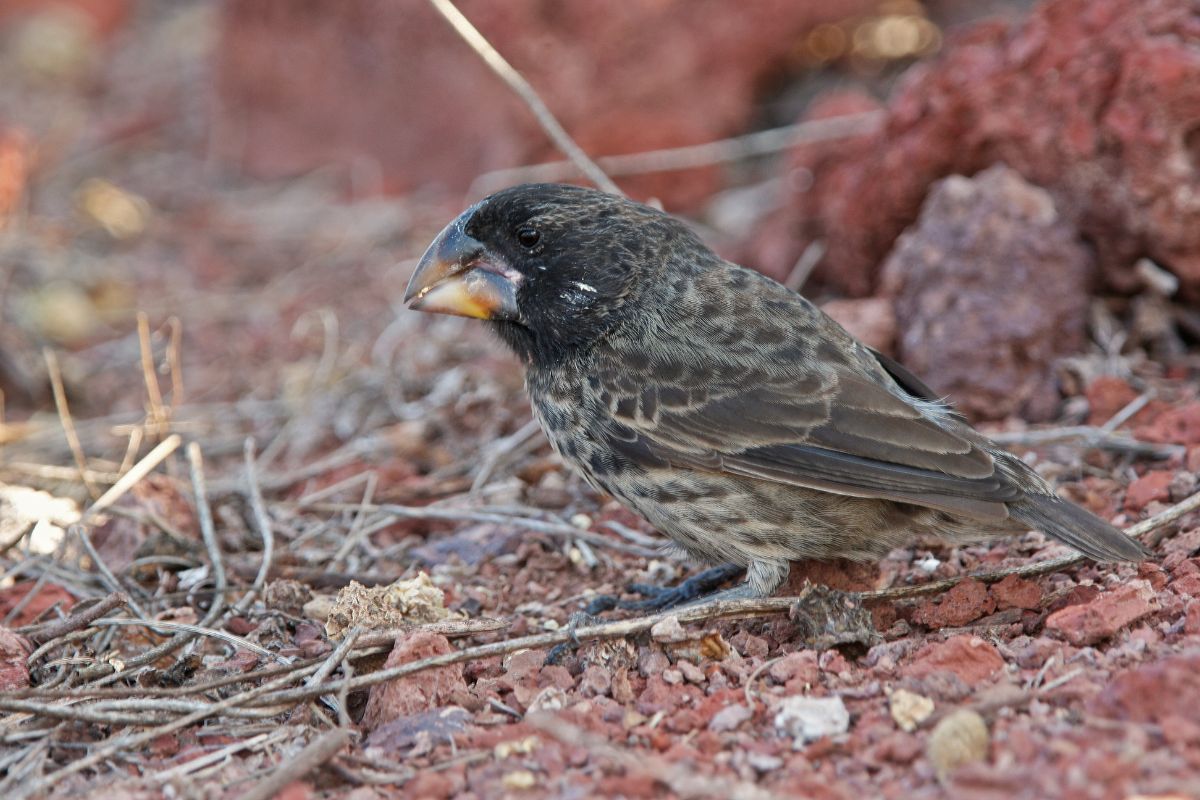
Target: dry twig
(672,159)
(463,27)
(316,753)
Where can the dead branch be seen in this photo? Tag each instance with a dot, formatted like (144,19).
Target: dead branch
(463,27)
(316,753)
(45,633)
(673,159)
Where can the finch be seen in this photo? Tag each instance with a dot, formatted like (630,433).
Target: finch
(730,412)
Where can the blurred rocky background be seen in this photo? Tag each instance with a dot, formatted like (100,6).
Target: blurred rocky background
(166,146)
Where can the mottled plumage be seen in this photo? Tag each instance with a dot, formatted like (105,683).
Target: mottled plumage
(729,411)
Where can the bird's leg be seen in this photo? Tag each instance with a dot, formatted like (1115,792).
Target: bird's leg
(696,588)
(577,619)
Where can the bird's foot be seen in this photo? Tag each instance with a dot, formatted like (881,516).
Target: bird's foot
(576,620)
(696,589)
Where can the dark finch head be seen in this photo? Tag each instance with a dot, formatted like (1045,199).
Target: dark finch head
(551,266)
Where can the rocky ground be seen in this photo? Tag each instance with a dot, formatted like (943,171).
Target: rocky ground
(1035,265)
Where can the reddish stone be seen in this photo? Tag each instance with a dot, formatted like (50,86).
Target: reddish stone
(899,748)
(50,594)
(840,574)
(14,650)
(1107,395)
(1187,585)
(799,666)
(1016,592)
(596,680)
(969,658)
(422,691)
(1153,692)
(387,86)
(1095,100)
(965,602)
(1153,573)
(296,790)
(1191,624)
(434,785)
(1105,615)
(991,290)
(662,696)
(1154,485)
(1078,595)
(1174,426)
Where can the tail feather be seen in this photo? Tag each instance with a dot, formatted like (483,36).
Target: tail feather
(1077,528)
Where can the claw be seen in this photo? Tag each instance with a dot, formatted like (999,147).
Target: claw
(559,651)
(695,588)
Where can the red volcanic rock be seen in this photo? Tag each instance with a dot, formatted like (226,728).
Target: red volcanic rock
(1175,426)
(1191,625)
(840,574)
(14,650)
(1105,614)
(1152,693)
(1017,592)
(991,288)
(1095,100)
(1107,395)
(414,693)
(1154,485)
(968,657)
(964,602)
(388,88)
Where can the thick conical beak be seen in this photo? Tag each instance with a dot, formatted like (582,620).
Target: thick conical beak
(457,275)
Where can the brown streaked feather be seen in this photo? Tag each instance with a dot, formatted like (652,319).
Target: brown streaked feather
(838,428)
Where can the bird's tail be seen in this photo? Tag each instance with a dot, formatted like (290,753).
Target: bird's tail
(1080,529)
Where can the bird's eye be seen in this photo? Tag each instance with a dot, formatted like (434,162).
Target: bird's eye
(528,237)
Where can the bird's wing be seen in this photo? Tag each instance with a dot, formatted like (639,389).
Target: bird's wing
(832,427)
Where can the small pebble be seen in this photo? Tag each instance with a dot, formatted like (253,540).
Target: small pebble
(960,738)
(806,719)
(909,709)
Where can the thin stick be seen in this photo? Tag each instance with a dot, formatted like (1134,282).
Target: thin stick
(463,27)
(173,361)
(136,435)
(502,450)
(1125,414)
(195,764)
(68,424)
(261,521)
(133,476)
(207,531)
(128,743)
(39,634)
(672,159)
(106,574)
(558,530)
(316,753)
(198,630)
(1092,437)
(56,473)
(158,413)
(355,535)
